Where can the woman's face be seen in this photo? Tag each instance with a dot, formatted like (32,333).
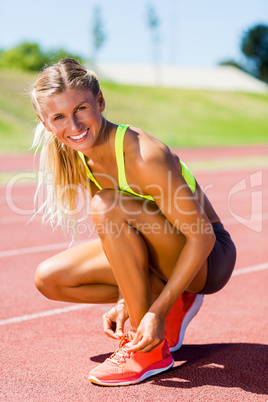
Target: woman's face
(74,117)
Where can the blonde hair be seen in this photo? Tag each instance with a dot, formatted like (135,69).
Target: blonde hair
(61,174)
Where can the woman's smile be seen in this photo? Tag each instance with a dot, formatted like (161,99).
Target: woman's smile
(79,138)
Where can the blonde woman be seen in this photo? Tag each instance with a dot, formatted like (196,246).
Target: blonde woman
(161,244)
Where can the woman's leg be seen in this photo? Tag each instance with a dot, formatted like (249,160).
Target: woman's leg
(82,274)
(135,236)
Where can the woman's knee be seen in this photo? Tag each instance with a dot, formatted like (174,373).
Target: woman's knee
(47,279)
(104,204)
(104,200)
(118,205)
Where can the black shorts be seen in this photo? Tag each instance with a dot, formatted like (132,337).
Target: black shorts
(221,260)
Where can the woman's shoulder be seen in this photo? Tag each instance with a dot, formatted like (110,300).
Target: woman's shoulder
(141,147)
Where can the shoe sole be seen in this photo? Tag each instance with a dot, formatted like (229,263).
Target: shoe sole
(187,319)
(143,377)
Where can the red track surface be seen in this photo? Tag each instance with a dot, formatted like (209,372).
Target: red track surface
(224,356)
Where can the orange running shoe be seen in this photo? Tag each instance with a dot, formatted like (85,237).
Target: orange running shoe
(178,318)
(125,368)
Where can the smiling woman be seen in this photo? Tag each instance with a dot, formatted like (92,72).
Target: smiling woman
(74,117)
(56,113)
(161,244)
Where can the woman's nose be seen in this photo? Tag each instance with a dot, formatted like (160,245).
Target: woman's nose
(74,125)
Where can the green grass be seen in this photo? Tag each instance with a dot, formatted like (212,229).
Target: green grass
(17,119)
(177,117)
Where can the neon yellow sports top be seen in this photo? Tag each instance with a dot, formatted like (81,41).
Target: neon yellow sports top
(122,180)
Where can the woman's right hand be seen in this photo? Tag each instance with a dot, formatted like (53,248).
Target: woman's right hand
(114,320)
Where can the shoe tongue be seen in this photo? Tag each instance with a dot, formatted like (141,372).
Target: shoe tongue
(127,337)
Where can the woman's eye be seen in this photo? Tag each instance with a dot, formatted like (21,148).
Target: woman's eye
(58,117)
(81,108)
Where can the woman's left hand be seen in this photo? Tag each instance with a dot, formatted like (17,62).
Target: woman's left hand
(150,334)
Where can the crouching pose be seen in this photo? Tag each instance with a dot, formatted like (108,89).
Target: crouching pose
(161,245)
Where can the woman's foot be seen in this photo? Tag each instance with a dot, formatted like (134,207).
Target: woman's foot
(125,368)
(180,315)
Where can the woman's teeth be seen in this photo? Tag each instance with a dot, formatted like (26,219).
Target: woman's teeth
(78,137)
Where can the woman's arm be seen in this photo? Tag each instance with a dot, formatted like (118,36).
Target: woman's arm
(158,174)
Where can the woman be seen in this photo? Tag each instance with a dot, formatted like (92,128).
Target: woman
(161,245)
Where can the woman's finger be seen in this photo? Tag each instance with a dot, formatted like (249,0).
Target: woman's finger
(120,322)
(119,329)
(108,327)
(140,346)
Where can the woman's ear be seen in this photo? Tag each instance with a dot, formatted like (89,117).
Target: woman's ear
(42,120)
(101,101)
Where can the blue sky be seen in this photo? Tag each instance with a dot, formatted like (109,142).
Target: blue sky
(193,32)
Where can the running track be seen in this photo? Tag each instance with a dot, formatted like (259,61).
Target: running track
(47,348)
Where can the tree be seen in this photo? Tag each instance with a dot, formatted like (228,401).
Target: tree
(30,57)
(153,25)
(26,56)
(231,63)
(254,46)
(99,36)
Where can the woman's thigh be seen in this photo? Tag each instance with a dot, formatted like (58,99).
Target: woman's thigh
(85,263)
(165,244)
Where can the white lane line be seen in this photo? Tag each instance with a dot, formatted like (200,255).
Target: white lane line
(37,249)
(253,268)
(48,313)
(57,246)
(15,219)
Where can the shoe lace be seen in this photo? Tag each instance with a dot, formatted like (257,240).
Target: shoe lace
(121,354)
